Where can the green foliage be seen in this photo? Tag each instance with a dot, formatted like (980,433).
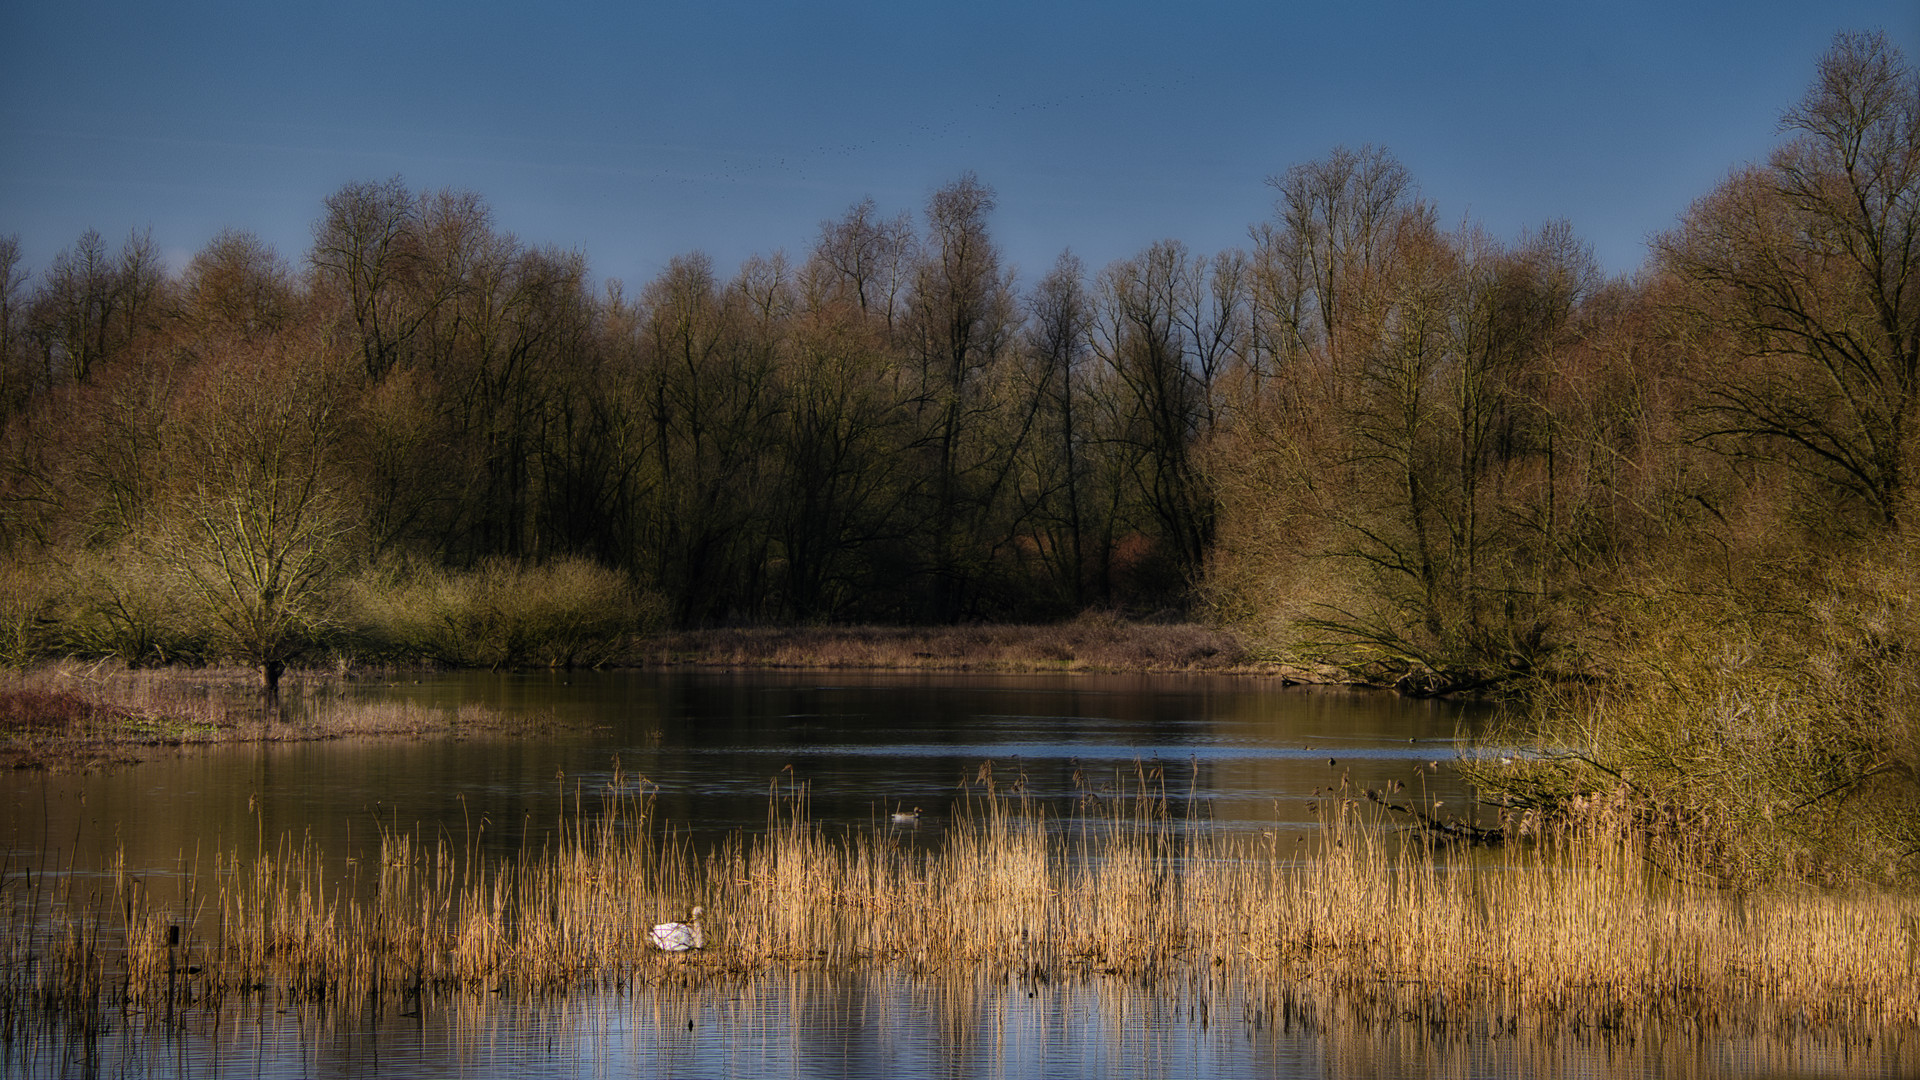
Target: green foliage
(502,614)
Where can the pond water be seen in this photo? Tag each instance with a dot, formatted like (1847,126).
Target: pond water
(815,1026)
(1243,754)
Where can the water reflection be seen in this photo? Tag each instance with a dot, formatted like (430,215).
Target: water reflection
(865,1025)
(1243,752)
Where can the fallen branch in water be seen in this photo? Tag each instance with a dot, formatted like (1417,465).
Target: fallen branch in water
(1457,830)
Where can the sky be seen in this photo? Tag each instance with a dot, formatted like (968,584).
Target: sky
(635,131)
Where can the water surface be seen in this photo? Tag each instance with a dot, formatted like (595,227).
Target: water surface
(1244,753)
(1239,754)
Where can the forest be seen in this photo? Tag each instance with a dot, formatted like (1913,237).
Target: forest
(1673,510)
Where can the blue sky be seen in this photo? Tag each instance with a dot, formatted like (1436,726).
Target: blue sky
(636,131)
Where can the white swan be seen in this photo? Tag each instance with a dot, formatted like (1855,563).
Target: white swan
(679,937)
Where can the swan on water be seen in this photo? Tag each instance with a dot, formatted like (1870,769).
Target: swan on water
(679,937)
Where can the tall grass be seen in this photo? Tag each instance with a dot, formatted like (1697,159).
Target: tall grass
(71,713)
(1576,932)
(1093,642)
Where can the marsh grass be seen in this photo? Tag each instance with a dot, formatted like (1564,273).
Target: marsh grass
(1573,934)
(1093,642)
(75,714)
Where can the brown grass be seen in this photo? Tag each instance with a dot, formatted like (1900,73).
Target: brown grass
(1575,933)
(1092,643)
(72,713)
(84,715)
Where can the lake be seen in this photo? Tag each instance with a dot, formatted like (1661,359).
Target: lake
(1246,752)
(1241,754)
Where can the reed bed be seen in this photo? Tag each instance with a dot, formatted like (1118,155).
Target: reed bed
(1093,642)
(70,714)
(1577,932)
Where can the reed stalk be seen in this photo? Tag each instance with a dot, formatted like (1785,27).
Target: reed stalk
(1576,931)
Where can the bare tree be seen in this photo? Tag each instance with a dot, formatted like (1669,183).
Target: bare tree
(238,286)
(1332,239)
(709,387)
(1809,269)
(963,316)
(16,380)
(1162,330)
(843,476)
(871,258)
(368,249)
(91,306)
(256,520)
(1060,316)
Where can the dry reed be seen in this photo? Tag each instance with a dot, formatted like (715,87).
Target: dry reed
(1575,933)
(69,713)
(1094,642)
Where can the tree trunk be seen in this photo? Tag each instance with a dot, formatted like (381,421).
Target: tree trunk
(270,672)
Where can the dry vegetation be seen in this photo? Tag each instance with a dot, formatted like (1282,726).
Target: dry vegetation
(1094,642)
(1585,937)
(1764,734)
(85,715)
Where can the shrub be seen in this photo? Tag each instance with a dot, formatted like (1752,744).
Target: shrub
(567,613)
(1764,730)
(122,603)
(27,595)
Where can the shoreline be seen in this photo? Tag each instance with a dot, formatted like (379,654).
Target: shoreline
(90,714)
(1087,645)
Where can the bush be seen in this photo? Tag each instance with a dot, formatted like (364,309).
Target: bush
(122,603)
(1769,730)
(27,596)
(566,613)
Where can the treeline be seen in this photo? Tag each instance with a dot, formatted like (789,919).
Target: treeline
(888,430)
(1412,448)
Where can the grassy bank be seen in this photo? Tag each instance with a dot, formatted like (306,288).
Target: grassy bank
(1573,933)
(86,715)
(1092,643)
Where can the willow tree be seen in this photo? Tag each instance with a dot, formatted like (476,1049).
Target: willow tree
(255,521)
